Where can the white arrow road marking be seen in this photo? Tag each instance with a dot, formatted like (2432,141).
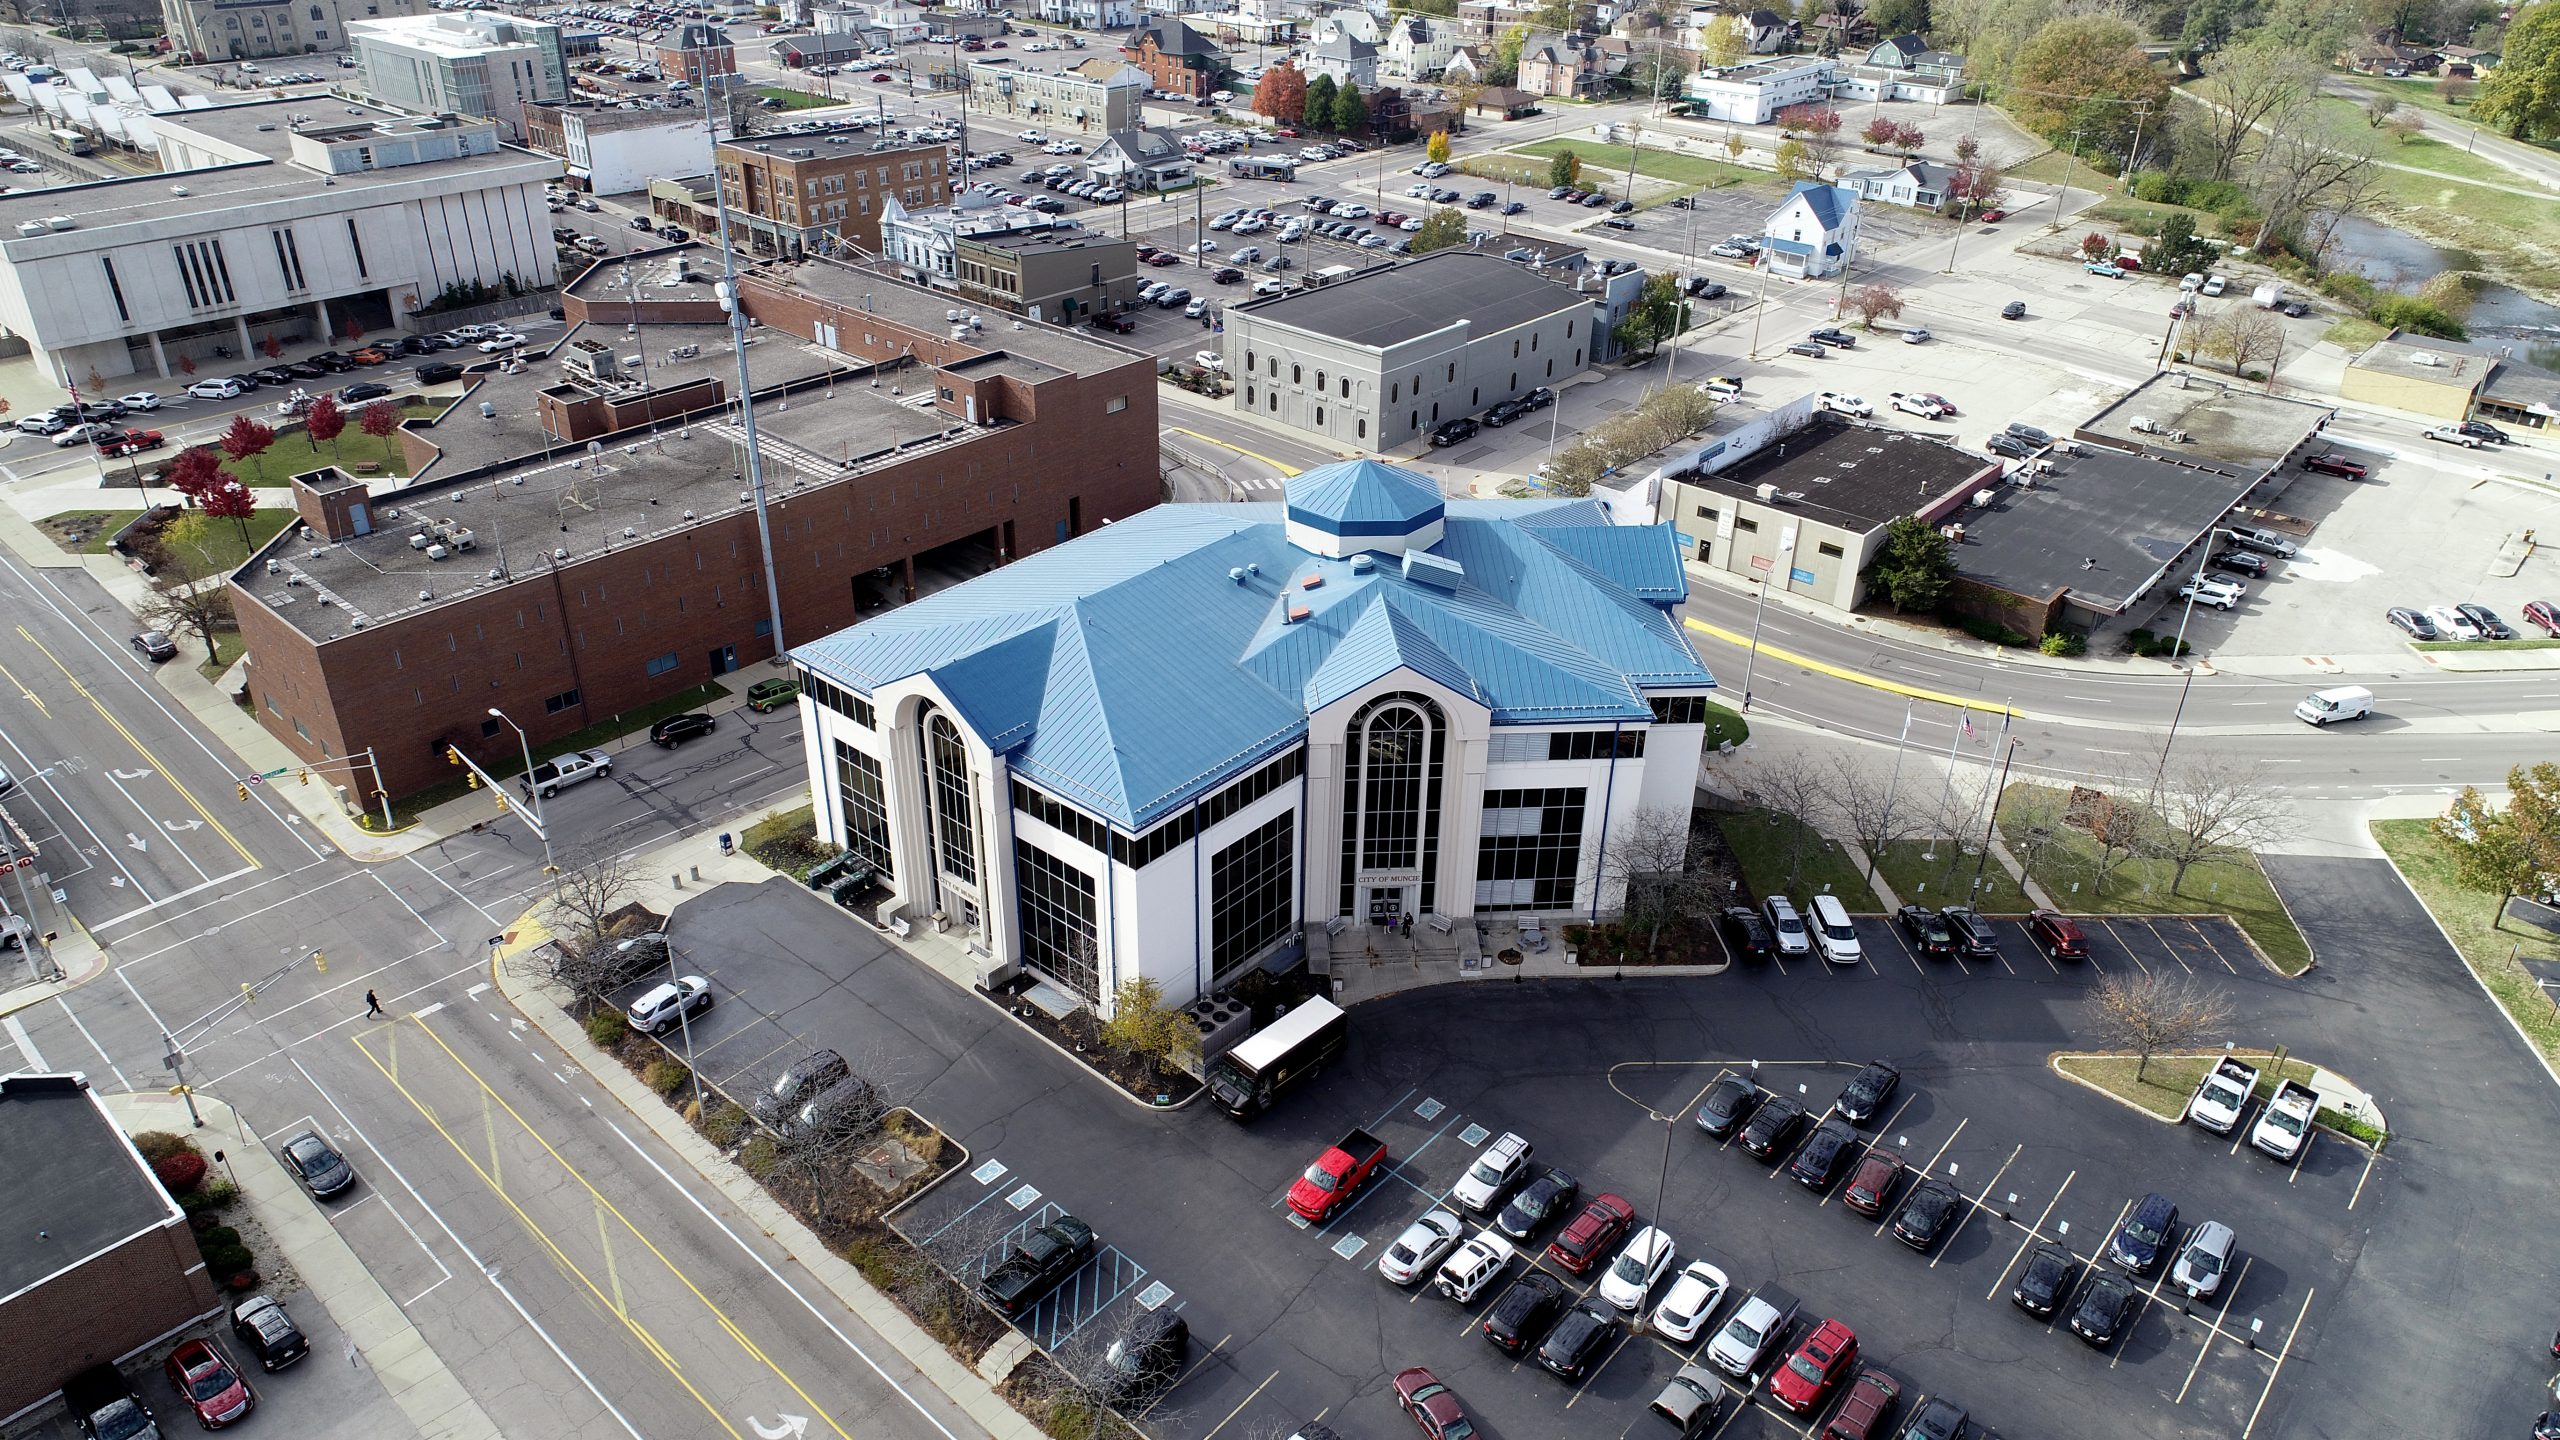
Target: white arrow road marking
(136,841)
(130,774)
(174,828)
(791,1428)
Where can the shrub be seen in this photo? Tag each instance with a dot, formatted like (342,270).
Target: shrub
(2408,312)
(210,1196)
(230,1260)
(721,1123)
(1991,630)
(607,1029)
(180,1173)
(667,1076)
(921,1139)
(220,1237)
(2347,285)
(159,1145)
(2059,643)
(760,1156)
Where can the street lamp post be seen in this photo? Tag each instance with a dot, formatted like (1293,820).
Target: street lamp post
(1786,556)
(1992,822)
(532,803)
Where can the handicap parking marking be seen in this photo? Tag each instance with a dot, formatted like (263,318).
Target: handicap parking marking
(1472,1136)
(2213,1328)
(1082,1297)
(1350,1246)
(989,1172)
(1429,1110)
(1023,1198)
(1156,1293)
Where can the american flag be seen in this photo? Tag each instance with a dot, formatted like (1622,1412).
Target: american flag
(1968,725)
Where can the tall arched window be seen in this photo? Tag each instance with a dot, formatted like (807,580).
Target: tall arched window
(1392,751)
(955,831)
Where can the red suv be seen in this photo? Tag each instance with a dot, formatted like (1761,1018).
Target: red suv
(1871,1184)
(1864,1414)
(1590,1234)
(1818,1364)
(2543,616)
(2057,935)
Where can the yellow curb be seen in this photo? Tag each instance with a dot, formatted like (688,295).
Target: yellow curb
(1838,672)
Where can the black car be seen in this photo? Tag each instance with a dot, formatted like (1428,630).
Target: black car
(800,1082)
(1938,1419)
(1837,339)
(2295,309)
(2103,1309)
(1504,413)
(1450,432)
(2243,562)
(1619,222)
(1818,1162)
(1926,931)
(417,345)
(1570,1346)
(156,646)
(1622,207)
(1868,1090)
(262,1328)
(1925,1212)
(2491,627)
(2483,430)
(1559,192)
(1974,937)
(1539,399)
(438,372)
(1514,208)
(1147,1355)
(1703,288)
(361,391)
(1037,1265)
(273,375)
(304,370)
(2010,445)
(1728,1102)
(1772,1127)
(2014,310)
(2143,1239)
(2046,1282)
(1539,1201)
(318,1165)
(1745,933)
(333,362)
(673,731)
(1521,1317)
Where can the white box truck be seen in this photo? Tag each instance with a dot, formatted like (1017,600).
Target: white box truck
(2268,296)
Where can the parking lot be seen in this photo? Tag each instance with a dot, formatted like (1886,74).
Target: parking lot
(1290,1322)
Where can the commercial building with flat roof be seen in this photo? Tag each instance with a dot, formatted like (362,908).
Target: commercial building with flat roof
(464,62)
(1375,360)
(795,195)
(520,570)
(219,30)
(1097,97)
(280,217)
(99,1264)
(614,150)
(1063,274)
(1179,746)
(2452,381)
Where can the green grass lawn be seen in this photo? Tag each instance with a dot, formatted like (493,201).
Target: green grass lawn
(2515,237)
(2467,915)
(2354,333)
(2054,166)
(2428,153)
(2526,642)
(2425,94)
(227,650)
(1515,169)
(2170,1080)
(222,548)
(792,99)
(2123,210)
(406,809)
(1947,879)
(292,455)
(1764,843)
(1609,160)
(1725,726)
(2067,870)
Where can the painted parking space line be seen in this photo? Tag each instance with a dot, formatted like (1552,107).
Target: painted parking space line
(1247,1400)
(2202,936)
(2034,1233)
(1922,1173)
(2213,1330)
(2135,955)
(2372,1158)
(1583,1386)
(1974,1203)
(1395,1166)
(1094,1288)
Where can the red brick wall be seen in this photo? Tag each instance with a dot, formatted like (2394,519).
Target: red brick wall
(575,415)
(101,1312)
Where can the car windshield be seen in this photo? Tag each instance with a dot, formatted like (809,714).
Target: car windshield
(2289,1124)
(1790,925)
(2147,1234)
(1486,1172)
(1742,1331)
(1317,1176)
(1537,1200)
(208,1380)
(2204,1262)
(1805,1368)
(1630,1267)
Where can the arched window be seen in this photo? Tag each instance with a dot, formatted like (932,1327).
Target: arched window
(1392,752)
(955,830)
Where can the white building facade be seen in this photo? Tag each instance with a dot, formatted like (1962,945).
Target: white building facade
(1167,748)
(1753,94)
(466,62)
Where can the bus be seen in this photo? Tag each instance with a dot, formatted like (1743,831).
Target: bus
(72,142)
(1263,167)
(1245,1080)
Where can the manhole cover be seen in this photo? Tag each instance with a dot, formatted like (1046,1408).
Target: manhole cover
(1429,1109)
(1156,1293)
(1349,1246)
(1023,1199)
(1473,1135)
(986,1174)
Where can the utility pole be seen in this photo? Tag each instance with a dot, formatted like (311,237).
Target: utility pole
(2063,196)
(1991,823)
(733,302)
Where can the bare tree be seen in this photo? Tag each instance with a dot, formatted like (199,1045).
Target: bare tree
(2303,158)
(2149,1013)
(2241,335)
(1875,809)
(2251,87)
(2353,194)
(1794,790)
(818,1145)
(2035,818)
(2213,808)
(592,885)
(189,607)
(1649,857)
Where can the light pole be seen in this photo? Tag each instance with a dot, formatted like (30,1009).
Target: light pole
(735,303)
(1786,556)
(531,803)
(1992,822)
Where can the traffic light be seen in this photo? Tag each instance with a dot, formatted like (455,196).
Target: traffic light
(243,788)
(472,779)
(502,804)
(452,756)
(306,777)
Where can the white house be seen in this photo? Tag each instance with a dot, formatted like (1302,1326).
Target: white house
(1139,160)
(1090,14)
(1352,21)
(1167,748)
(1349,60)
(1814,232)
(1417,46)
(1903,68)
(1753,94)
(1921,184)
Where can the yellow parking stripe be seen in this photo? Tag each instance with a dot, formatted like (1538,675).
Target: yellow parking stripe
(1840,672)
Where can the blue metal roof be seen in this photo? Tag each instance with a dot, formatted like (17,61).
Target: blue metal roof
(1363,497)
(1829,202)
(1129,671)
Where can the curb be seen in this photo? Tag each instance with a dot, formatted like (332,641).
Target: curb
(2469,969)
(2053,1062)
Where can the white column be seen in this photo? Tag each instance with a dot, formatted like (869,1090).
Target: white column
(322,307)
(159,356)
(241,324)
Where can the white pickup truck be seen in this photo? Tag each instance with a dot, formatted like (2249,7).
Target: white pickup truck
(2223,1094)
(562,771)
(2287,1124)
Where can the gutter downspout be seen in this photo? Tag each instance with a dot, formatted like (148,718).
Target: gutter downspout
(1609,793)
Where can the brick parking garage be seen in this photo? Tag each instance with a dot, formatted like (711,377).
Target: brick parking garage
(566,557)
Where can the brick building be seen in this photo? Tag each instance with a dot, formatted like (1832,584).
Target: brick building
(696,51)
(1176,58)
(99,1264)
(789,199)
(565,584)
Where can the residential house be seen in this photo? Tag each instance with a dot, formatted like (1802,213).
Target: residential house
(1814,232)
(1138,160)
(2470,57)
(1763,32)
(1573,65)
(1910,52)
(1465,66)
(1509,102)
(1176,58)
(1492,17)
(1090,14)
(1920,184)
(1359,24)
(1417,47)
(1350,61)
(1834,33)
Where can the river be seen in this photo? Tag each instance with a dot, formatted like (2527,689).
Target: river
(2398,260)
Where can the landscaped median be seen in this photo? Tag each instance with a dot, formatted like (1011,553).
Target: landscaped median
(2468,918)
(2162,1086)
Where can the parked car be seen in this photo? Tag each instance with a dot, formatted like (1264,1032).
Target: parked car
(2455,435)
(1472,1266)
(105,1406)
(2143,1238)
(1421,1247)
(2057,935)
(2204,1260)
(1433,1406)
(1925,1213)
(1755,1327)
(1974,937)
(1521,1317)
(803,1080)
(2242,562)
(1836,338)
(2486,619)
(1926,932)
(2210,590)
(1938,1418)
(1551,1194)
(1588,1235)
(1868,1091)
(1638,1268)
(2330,462)
(1817,1162)
(1920,403)
(2104,269)
(267,1333)
(1841,402)
(1037,1264)
(318,1165)
(203,1377)
(1821,1360)
(2051,1272)
(765,695)
(1693,1297)
(673,731)
(1870,1186)
(139,400)
(1146,1357)
(2266,541)
(2543,616)
(1691,1400)
(1451,432)
(1746,936)
(2014,310)
(1866,1409)
(1729,1101)
(2483,430)
(1499,1166)
(1787,926)
(1575,1339)
(2009,445)
(1771,1127)
(2414,622)
(131,442)
(2103,1309)
(2452,624)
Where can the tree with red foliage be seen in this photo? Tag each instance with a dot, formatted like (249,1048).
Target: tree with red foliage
(234,502)
(324,421)
(271,347)
(193,472)
(1880,133)
(1809,120)
(187,366)
(379,420)
(2095,247)
(1909,137)
(354,328)
(247,439)
(1282,94)
(180,1173)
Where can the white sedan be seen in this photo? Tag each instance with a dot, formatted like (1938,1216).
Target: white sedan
(1421,1247)
(1205,247)
(139,400)
(1692,1298)
(2450,623)
(1632,1276)
(1209,359)
(83,434)
(1841,402)
(498,342)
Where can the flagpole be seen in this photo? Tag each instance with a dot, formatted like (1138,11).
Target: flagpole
(1884,822)
(1956,852)
(1963,732)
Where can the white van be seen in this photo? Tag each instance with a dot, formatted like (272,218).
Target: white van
(1833,935)
(2323,707)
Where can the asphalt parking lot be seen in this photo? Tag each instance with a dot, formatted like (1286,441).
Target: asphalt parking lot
(1290,1323)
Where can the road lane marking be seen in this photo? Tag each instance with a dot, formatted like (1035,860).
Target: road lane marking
(28,695)
(1842,672)
(1285,469)
(140,749)
(26,1044)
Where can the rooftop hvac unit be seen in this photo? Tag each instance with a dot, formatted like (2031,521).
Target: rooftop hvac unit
(2426,357)
(438,552)
(2144,425)
(1768,494)
(1985,497)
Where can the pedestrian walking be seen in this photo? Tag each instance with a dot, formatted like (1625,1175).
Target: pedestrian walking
(372,1006)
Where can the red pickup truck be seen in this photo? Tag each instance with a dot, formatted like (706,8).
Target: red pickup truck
(1337,1174)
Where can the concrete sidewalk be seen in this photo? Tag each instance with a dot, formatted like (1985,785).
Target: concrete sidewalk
(416,1392)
